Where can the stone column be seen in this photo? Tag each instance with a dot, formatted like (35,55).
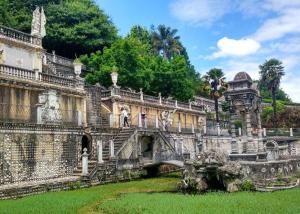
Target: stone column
(100,151)
(156,122)
(250,146)
(85,162)
(179,126)
(140,125)
(112,148)
(234,147)
(260,135)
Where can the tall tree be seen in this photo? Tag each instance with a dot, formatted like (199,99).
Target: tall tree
(271,73)
(215,84)
(165,41)
(73,27)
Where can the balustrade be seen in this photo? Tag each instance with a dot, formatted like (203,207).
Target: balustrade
(21,36)
(48,78)
(17,72)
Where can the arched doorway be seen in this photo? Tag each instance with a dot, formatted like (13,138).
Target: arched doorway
(147,147)
(272,150)
(86,142)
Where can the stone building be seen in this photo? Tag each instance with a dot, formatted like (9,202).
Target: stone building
(48,116)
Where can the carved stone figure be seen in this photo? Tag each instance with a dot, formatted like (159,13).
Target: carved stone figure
(49,109)
(38,22)
(167,118)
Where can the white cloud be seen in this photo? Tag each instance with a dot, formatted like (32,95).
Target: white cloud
(291,87)
(232,47)
(278,27)
(199,11)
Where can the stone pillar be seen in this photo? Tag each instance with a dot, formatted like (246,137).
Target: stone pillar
(159,96)
(179,126)
(218,129)
(250,146)
(112,148)
(99,151)
(141,94)
(79,118)
(85,162)
(111,120)
(156,122)
(260,134)
(193,128)
(176,105)
(140,125)
(240,131)
(291,132)
(234,146)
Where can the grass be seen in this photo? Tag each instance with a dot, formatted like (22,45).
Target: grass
(83,200)
(153,196)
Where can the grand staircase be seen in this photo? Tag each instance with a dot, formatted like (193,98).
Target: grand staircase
(119,139)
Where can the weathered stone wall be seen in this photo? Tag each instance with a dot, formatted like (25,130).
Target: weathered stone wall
(185,144)
(18,104)
(271,169)
(37,154)
(217,143)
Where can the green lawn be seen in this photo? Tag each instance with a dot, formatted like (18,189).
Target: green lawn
(152,196)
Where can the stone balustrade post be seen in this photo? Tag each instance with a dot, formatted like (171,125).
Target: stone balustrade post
(156,122)
(179,126)
(291,132)
(112,148)
(140,125)
(37,74)
(176,104)
(99,151)
(111,120)
(190,104)
(264,132)
(218,129)
(193,128)
(141,94)
(159,96)
(85,162)
(240,131)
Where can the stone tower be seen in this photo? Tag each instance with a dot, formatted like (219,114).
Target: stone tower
(245,105)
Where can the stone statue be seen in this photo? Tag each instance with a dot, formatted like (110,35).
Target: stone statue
(167,118)
(38,23)
(49,108)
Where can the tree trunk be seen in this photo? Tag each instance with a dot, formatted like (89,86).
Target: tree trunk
(274,107)
(217,109)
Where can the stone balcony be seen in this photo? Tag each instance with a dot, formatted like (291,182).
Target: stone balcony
(12,34)
(38,77)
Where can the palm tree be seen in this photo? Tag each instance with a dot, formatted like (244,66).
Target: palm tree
(271,73)
(215,84)
(165,41)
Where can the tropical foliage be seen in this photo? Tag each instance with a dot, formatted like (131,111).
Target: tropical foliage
(141,65)
(215,84)
(271,73)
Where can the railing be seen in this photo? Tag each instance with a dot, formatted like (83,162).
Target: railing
(167,156)
(21,36)
(59,60)
(48,78)
(31,75)
(131,95)
(17,72)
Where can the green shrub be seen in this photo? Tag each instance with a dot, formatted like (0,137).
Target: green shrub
(247,185)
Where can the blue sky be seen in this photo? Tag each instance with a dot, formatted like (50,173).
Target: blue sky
(229,34)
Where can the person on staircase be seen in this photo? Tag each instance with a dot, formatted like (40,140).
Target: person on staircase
(125,117)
